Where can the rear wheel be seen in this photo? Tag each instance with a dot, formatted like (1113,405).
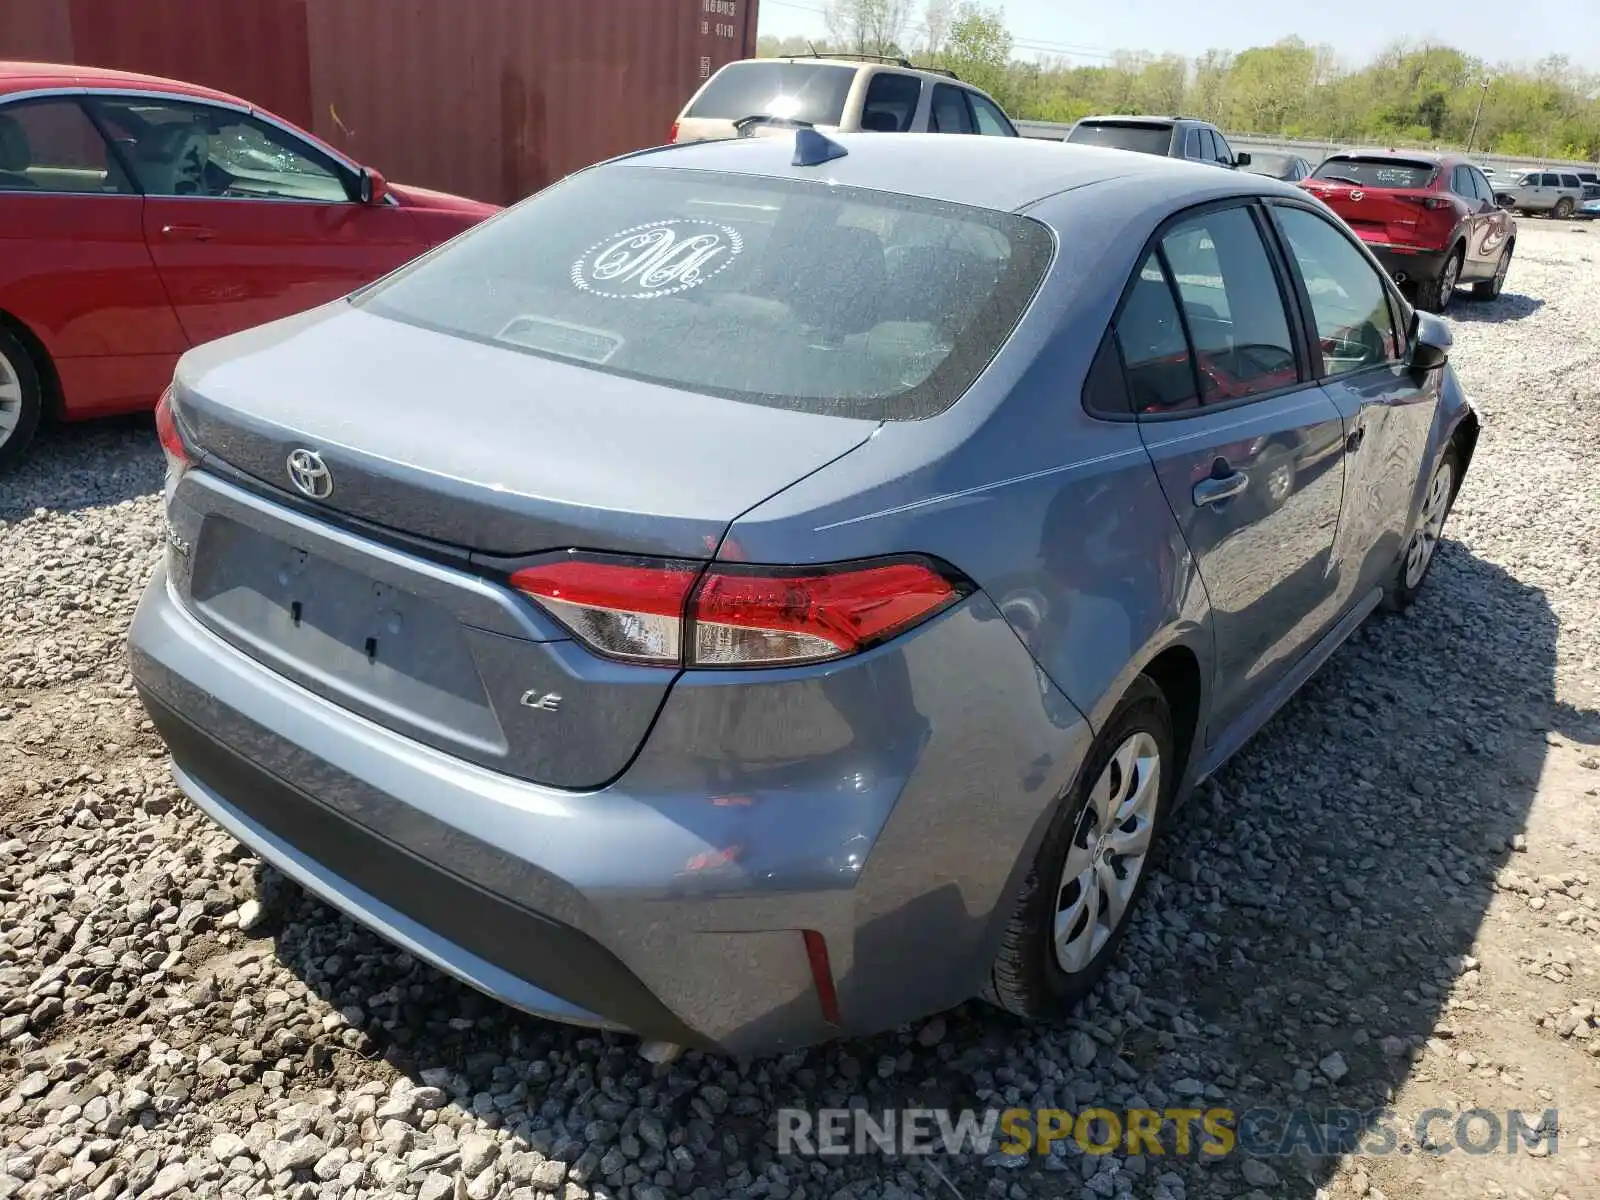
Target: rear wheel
(1092,867)
(1563,208)
(1488,289)
(21,399)
(1434,295)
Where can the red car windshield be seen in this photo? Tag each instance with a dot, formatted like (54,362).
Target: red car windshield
(1377,172)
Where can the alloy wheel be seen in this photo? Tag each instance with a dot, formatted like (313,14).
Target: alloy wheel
(10,399)
(1448,280)
(1109,849)
(1431,525)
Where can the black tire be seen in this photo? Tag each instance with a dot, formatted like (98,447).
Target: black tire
(1563,209)
(1488,289)
(1434,295)
(21,398)
(1404,586)
(1027,979)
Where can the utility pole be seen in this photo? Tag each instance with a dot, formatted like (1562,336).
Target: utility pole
(1477,116)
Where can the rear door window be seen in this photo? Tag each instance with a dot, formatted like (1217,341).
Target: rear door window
(1376,172)
(891,103)
(1549,181)
(950,111)
(51,146)
(1461,183)
(786,293)
(800,91)
(1123,135)
(1155,351)
(1232,304)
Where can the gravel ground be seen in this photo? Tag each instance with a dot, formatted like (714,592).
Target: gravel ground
(1390,899)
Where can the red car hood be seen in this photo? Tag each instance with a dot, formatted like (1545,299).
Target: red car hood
(416,197)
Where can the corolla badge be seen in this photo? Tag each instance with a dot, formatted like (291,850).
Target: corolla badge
(310,475)
(662,258)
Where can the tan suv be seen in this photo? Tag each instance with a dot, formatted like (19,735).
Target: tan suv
(845,92)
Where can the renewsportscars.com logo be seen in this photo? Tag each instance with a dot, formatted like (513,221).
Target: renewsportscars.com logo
(1181,1132)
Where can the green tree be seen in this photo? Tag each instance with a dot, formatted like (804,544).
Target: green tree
(978,48)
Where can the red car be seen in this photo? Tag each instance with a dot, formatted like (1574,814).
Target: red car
(1431,220)
(142,216)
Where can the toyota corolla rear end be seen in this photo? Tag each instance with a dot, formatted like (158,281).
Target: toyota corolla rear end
(452,628)
(1392,203)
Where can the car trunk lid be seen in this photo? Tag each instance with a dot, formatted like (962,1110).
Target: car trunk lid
(490,449)
(388,595)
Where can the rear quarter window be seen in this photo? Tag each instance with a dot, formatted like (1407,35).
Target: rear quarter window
(785,293)
(811,92)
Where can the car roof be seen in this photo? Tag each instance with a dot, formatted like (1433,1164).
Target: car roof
(871,64)
(35,76)
(1438,158)
(1136,119)
(1004,174)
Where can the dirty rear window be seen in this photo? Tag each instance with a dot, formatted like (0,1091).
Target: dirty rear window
(1376,172)
(791,294)
(1123,135)
(810,92)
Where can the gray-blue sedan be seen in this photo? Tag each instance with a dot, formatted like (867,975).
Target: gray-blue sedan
(760,591)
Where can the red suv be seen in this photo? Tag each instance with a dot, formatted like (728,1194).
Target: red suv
(1431,220)
(142,216)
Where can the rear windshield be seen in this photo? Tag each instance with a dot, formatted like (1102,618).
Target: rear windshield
(792,294)
(1123,135)
(1377,172)
(811,92)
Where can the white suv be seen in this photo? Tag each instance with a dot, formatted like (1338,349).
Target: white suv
(844,92)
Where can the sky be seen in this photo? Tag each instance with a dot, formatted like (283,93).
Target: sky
(1496,30)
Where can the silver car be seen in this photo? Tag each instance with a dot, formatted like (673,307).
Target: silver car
(759,591)
(1558,193)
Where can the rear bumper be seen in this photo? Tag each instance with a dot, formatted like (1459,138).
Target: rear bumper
(1408,264)
(672,903)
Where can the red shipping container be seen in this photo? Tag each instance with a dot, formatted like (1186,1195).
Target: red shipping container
(486,98)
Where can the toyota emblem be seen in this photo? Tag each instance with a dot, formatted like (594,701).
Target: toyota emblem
(1357,195)
(310,474)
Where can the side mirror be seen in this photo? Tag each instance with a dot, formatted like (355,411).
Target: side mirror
(1430,343)
(1242,159)
(374,188)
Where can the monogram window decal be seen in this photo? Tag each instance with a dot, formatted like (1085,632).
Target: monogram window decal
(659,259)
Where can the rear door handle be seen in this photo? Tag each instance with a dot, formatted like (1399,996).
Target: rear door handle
(1220,487)
(190,233)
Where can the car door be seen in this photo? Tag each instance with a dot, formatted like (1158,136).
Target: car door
(1245,444)
(246,221)
(1361,356)
(73,263)
(1478,259)
(1497,222)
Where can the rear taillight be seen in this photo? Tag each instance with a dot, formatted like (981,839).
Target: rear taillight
(622,608)
(172,444)
(672,138)
(672,614)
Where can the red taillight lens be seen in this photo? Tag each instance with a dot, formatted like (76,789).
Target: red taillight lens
(749,618)
(622,608)
(167,430)
(736,615)
(672,137)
